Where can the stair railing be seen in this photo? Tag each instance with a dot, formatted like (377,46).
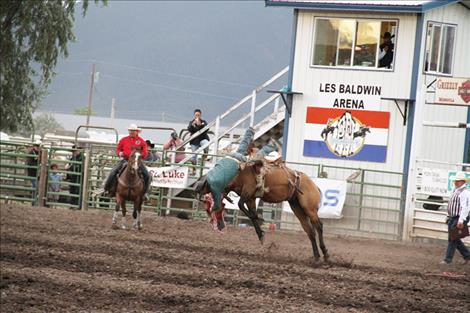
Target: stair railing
(232,111)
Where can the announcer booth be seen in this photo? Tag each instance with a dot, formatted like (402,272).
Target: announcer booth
(362,102)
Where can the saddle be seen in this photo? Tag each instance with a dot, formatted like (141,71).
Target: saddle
(269,163)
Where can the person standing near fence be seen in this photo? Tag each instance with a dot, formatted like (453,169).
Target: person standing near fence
(75,176)
(458,214)
(54,183)
(32,161)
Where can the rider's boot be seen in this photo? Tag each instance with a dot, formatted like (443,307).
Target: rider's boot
(147,186)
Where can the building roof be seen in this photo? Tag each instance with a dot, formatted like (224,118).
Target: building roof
(406,6)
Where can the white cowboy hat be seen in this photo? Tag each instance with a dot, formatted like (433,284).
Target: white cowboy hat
(272,156)
(37,142)
(460,176)
(133,127)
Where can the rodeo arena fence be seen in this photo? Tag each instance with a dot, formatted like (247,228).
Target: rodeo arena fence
(366,208)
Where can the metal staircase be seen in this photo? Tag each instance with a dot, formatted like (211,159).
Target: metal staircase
(261,110)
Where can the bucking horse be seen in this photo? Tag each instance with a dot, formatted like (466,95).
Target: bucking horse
(280,184)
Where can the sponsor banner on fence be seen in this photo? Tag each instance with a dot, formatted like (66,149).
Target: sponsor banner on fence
(170,176)
(454,91)
(435,181)
(333,195)
(432,181)
(357,135)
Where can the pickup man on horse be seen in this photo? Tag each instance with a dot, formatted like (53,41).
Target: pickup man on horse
(124,149)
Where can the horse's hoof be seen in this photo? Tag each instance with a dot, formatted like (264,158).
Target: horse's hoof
(114,226)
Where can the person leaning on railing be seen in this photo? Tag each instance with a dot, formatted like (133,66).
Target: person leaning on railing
(173,143)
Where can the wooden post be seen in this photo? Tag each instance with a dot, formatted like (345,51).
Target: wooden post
(42,178)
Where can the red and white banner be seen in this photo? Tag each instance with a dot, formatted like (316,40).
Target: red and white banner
(357,135)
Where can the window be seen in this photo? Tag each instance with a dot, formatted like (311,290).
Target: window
(354,43)
(440,40)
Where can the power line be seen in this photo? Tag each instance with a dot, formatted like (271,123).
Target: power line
(168,73)
(169,87)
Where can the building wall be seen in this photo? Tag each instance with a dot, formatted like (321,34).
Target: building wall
(437,143)
(394,84)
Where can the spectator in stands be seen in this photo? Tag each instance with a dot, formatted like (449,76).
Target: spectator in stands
(174,143)
(74,176)
(195,125)
(458,214)
(54,183)
(152,156)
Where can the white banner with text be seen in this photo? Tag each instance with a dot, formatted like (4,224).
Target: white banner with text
(333,195)
(169,177)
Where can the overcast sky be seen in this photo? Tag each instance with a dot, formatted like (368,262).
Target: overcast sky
(167,58)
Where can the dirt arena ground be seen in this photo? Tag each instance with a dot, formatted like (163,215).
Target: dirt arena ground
(57,260)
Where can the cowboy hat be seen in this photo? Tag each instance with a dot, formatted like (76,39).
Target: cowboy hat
(150,144)
(272,156)
(133,127)
(460,176)
(37,142)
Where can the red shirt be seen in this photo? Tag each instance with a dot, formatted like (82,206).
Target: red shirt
(127,144)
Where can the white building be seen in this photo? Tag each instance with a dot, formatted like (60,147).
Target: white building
(356,105)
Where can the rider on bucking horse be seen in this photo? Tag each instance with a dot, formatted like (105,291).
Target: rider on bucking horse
(227,168)
(124,149)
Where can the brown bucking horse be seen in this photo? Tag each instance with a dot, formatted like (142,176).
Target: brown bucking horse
(281,184)
(130,187)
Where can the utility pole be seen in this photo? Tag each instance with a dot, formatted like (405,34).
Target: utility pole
(113,110)
(90,96)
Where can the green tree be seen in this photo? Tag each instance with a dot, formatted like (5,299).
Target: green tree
(33,34)
(82,111)
(46,123)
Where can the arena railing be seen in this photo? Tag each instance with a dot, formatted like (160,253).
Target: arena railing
(15,183)
(370,208)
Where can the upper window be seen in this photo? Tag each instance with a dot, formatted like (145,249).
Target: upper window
(354,43)
(440,40)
